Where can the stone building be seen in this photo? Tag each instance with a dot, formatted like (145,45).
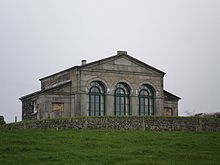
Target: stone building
(117,85)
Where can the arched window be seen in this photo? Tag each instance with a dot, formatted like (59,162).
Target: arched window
(122,99)
(146,100)
(96,99)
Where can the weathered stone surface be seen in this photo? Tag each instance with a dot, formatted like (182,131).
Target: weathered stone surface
(51,80)
(27,113)
(123,123)
(71,88)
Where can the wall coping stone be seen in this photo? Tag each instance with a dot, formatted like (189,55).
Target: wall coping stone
(158,123)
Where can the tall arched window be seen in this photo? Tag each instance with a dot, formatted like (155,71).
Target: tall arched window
(96,99)
(121,99)
(146,100)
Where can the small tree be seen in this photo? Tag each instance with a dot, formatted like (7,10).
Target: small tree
(2,121)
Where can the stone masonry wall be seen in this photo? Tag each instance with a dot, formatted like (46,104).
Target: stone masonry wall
(27,112)
(51,80)
(123,123)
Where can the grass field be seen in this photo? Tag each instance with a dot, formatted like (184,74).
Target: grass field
(88,147)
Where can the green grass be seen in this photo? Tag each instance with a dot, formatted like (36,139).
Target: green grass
(88,147)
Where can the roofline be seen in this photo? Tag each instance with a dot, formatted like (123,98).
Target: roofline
(147,65)
(99,61)
(115,56)
(75,67)
(42,91)
(172,94)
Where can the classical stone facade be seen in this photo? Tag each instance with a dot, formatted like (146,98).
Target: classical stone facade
(117,85)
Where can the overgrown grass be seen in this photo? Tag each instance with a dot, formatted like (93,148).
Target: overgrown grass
(87,147)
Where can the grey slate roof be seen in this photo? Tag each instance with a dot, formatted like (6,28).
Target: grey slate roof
(45,90)
(170,97)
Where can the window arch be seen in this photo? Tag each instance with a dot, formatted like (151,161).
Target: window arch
(96,99)
(122,99)
(146,100)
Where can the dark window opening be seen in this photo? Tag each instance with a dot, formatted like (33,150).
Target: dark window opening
(146,100)
(122,99)
(96,99)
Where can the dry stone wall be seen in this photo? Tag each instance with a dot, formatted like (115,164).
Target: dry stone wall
(123,123)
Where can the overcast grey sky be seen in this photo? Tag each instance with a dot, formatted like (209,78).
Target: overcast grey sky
(179,37)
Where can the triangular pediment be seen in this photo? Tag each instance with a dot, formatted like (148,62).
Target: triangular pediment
(123,63)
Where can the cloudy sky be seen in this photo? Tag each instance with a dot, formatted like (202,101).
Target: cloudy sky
(179,37)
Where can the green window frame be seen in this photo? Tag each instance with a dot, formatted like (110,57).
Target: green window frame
(96,99)
(146,100)
(122,99)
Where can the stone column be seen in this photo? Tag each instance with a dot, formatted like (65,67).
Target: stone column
(134,105)
(109,105)
(84,104)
